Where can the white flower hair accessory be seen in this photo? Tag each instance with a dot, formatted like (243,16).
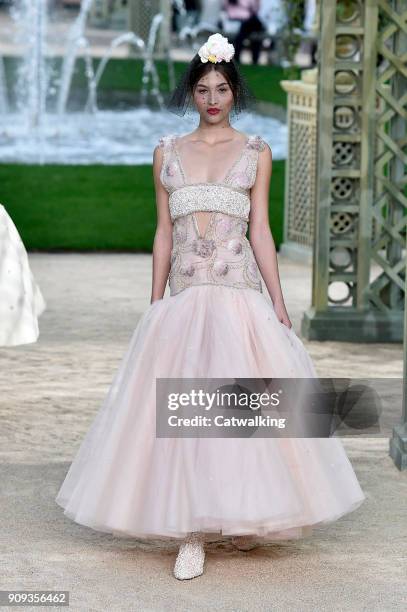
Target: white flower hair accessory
(216,49)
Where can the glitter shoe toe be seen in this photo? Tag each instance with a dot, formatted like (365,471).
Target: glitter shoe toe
(190,559)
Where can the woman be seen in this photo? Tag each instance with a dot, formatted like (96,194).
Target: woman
(217,322)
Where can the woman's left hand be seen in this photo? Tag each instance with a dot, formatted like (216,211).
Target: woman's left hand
(282,314)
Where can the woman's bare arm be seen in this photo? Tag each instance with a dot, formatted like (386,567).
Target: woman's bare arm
(163,234)
(261,237)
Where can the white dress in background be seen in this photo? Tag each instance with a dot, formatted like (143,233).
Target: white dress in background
(21,301)
(216,323)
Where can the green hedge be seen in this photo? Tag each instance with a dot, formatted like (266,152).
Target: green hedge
(96,207)
(124,75)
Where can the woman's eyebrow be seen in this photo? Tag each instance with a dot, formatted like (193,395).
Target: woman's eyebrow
(219,85)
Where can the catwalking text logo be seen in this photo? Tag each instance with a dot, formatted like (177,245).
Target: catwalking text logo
(273,407)
(213,401)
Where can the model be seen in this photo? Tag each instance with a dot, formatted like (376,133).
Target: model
(217,322)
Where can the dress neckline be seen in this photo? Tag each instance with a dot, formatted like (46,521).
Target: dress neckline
(224,180)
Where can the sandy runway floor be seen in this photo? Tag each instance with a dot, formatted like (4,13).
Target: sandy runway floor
(49,394)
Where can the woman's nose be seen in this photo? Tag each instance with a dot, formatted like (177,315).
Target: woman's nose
(212,98)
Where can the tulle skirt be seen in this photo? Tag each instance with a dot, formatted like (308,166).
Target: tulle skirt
(126,481)
(21,301)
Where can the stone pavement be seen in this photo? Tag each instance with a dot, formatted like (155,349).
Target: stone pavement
(50,392)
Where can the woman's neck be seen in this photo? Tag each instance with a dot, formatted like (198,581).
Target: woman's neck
(214,131)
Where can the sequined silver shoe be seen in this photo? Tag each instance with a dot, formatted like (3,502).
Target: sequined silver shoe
(245,542)
(191,556)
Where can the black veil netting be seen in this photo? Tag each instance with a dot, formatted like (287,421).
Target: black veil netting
(181,102)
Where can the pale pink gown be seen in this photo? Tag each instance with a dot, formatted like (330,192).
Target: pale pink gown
(217,322)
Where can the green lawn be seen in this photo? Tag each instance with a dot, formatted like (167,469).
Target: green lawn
(57,207)
(125,75)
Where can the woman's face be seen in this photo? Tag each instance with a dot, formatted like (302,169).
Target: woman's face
(213,92)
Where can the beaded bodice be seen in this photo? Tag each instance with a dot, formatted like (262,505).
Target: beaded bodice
(221,254)
(230,195)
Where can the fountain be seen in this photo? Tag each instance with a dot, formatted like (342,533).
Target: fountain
(41,128)
(3,90)
(32,77)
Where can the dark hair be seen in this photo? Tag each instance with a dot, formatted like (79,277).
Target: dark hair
(181,97)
